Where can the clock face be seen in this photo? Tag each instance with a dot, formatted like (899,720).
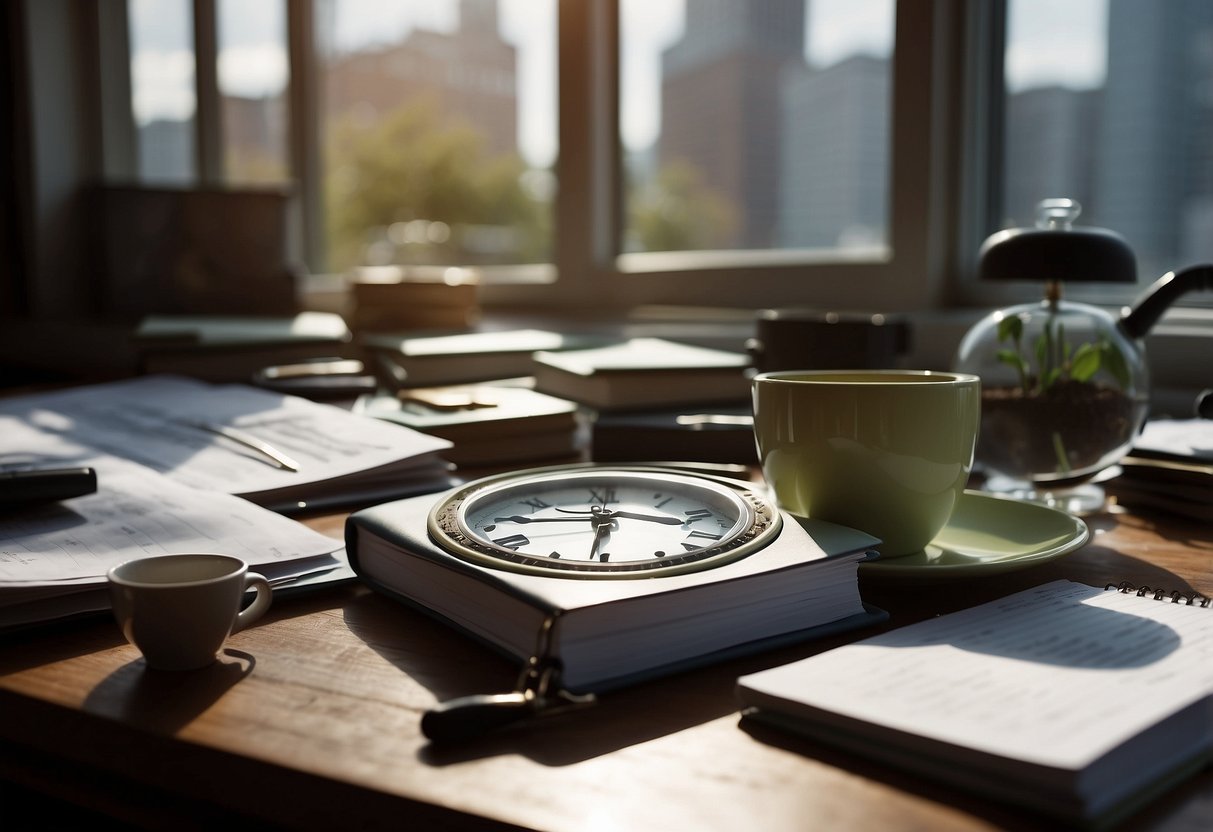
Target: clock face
(603,522)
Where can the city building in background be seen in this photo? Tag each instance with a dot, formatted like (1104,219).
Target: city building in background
(1136,150)
(756,143)
(470,74)
(720,105)
(834,169)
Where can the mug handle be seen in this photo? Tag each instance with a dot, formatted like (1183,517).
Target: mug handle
(260,604)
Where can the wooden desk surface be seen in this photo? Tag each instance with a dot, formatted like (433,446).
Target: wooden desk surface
(310,720)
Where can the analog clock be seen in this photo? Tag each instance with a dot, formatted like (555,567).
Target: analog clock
(587,521)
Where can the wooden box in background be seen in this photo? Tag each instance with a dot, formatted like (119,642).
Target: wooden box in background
(393,298)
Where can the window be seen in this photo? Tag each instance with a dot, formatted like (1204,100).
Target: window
(163,89)
(756,125)
(1111,103)
(438,131)
(693,152)
(252,78)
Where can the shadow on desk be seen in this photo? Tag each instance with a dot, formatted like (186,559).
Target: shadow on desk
(1177,806)
(166,701)
(452,665)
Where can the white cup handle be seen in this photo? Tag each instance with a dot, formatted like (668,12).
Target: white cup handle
(260,604)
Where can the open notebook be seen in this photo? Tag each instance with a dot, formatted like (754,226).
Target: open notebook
(1078,701)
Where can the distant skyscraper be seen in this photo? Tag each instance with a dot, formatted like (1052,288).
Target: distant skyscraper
(720,103)
(1050,133)
(166,152)
(834,170)
(470,74)
(1153,182)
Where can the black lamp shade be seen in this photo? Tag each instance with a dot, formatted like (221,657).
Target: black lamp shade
(1046,254)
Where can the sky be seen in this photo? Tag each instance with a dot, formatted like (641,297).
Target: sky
(1048,42)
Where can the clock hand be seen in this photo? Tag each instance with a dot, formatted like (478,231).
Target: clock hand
(518,518)
(626,515)
(602,530)
(655,518)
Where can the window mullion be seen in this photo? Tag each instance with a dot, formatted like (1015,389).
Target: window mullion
(117,135)
(304,130)
(208,120)
(582,207)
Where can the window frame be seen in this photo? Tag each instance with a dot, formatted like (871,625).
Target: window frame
(918,272)
(930,218)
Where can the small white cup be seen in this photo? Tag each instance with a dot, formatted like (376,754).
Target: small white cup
(179,609)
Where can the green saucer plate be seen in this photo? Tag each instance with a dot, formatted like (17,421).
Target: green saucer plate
(988,535)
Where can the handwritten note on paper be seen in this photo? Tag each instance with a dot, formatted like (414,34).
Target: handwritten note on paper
(153,420)
(137,512)
(1057,675)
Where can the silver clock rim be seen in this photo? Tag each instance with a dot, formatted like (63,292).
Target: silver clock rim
(760,522)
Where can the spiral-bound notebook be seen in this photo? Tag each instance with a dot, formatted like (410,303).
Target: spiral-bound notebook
(1077,701)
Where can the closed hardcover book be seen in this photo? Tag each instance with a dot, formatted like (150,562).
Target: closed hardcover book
(608,633)
(722,434)
(487,424)
(1169,469)
(465,357)
(643,373)
(1079,702)
(223,348)
(376,293)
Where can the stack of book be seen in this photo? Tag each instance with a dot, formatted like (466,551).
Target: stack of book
(393,299)
(644,374)
(429,360)
(224,348)
(1169,468)
(722,434)
(488,424)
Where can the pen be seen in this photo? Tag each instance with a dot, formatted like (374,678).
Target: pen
(45,485)
(238,436)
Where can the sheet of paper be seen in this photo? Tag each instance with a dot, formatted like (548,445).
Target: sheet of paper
(1058,674)
(1185,439)
(154,420)
(137,512)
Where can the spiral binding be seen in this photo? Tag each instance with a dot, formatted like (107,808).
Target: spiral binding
(1174,596)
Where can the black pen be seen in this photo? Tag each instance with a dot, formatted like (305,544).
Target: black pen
(39,485)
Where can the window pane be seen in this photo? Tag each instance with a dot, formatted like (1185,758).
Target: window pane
(439,131)
(162,88)
(253,73)
(1111,103)
(756,125)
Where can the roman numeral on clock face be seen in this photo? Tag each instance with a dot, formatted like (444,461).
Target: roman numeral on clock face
(536,503)
(514,541)
(606,495)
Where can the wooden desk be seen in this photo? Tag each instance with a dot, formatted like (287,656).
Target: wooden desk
(310,720)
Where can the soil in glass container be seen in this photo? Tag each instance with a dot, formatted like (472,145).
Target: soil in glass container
(1065,433)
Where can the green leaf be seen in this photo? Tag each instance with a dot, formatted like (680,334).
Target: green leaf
(1115,361)
(1042,351)
(1086,362)
(1049,378)
(1010,327)
(1013,359)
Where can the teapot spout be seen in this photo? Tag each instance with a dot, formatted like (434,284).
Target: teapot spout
(1140,319)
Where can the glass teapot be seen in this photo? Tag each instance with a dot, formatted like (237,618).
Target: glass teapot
(1065,385)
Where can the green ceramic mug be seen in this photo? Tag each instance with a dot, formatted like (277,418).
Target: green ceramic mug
(885,451)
